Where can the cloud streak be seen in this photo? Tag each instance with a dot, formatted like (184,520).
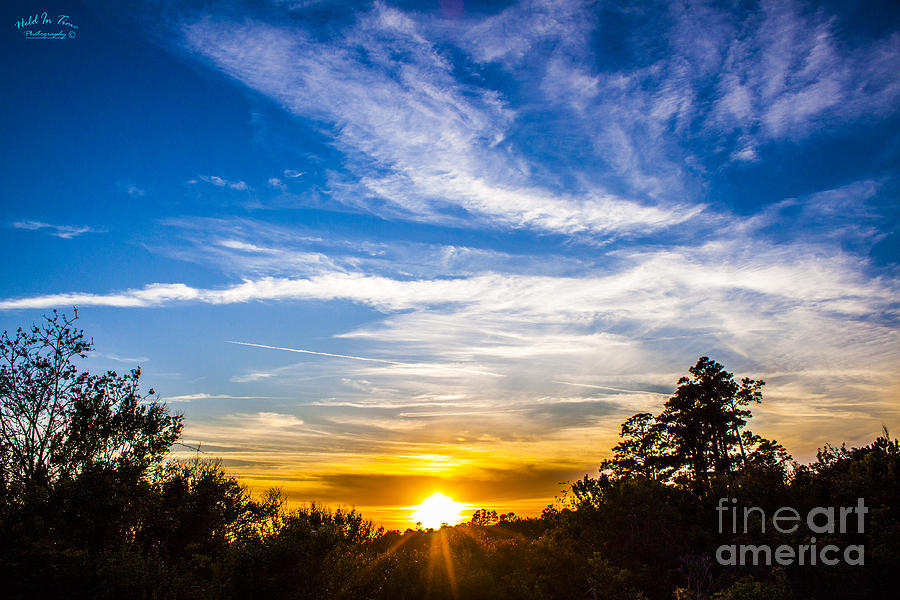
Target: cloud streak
(611,389)
(301,351)
(417,367)
(206,396)
(223,183)
(66,232)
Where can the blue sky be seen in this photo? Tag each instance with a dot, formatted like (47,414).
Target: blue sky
(460,242)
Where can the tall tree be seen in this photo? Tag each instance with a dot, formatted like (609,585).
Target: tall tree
(700,434)
(705,418)
(56,421)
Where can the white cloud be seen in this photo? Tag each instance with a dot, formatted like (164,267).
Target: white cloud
(246,247)
(251,377)
(252,433)
(787,72)
(788,274)
(130,188)
(221,182)
(150,295)
(760,309)
(778,71)
(125,359)
(419,142)
(745,154)
(757,307)
(205,396)
(511,35)
(65,232)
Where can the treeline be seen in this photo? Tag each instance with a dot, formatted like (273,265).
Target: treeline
(688,507)
(90,507)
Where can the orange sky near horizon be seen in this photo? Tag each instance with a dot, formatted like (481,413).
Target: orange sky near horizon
(517,475)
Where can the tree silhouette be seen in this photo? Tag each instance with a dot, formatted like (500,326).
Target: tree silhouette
(643,449)
(57,422)
(484,517)
(699,436)
(705,417)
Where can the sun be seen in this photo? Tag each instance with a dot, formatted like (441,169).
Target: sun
(436,510)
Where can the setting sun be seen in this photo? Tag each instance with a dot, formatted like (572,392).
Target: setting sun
(436,510)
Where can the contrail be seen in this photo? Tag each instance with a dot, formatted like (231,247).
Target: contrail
(300,351)
(606,387)
(378,360)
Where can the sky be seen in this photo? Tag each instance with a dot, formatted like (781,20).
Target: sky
(374,250)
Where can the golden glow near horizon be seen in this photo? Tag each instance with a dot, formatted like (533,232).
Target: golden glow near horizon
(436,510)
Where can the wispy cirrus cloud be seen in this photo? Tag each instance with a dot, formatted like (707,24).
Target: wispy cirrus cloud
(736,298)
(65,232)
(786,75)
(516,32)
(761,307)
(248,248)
(150,295)
(207,396)
(847,216)
(124,359)
(703,84)
(222,182)
(420,144)
(131,188)
(717,266)
(772,293)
